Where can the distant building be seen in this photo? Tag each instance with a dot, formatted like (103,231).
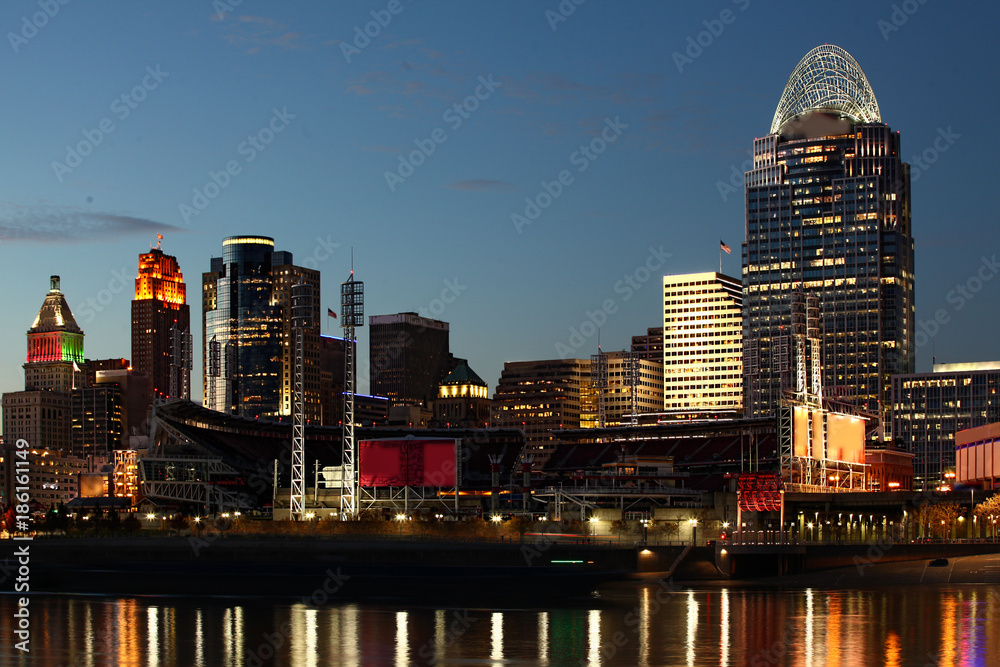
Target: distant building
(649,346)
(463,400)
(541,396)
(702,345)
(246,327)
(42,418)
(828,213)
(55,345)
(161,326)
(41,414)
(929,409)
(409,355)
(98,415)
(332,353)
(53,475)
(618,404)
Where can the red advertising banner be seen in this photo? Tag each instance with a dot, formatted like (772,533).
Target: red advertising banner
(415,462)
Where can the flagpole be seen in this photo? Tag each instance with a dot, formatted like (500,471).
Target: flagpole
(720,258)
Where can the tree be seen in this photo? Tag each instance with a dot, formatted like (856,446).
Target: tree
(988,512)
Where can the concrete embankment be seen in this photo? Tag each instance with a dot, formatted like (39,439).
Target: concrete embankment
(297,566)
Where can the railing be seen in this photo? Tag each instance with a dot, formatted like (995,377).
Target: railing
(774,537)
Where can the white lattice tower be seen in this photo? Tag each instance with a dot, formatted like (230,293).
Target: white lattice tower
(301,316)
(352,307)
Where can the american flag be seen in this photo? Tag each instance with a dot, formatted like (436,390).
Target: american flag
(728,250)
(330,313)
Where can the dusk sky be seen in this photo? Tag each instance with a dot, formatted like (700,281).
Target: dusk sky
(119,114)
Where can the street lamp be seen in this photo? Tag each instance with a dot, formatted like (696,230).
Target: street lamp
(694,531)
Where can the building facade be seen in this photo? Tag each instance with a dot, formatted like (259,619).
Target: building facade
(929,409)
(409,355)
(246,331)
(977,452)
(828,213)
(41,418)
(540,396)
(463,400)
(649,346)
(647,377)
(702,345)
(161,326)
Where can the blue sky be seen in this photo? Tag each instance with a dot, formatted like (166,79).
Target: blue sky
(309,121)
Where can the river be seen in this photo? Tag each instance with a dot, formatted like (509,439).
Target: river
(647,623)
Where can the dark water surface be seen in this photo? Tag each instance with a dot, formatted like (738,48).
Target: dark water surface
(650,623)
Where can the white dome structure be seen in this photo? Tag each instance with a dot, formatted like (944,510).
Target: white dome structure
(828,77)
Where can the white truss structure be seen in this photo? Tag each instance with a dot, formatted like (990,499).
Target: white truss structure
(599,381)
(352,314)
(186,478)
(828,77)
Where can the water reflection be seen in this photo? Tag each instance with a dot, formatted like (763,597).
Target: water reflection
(628,625)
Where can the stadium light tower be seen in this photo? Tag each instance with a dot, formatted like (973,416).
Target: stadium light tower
(352,310)
(302,305)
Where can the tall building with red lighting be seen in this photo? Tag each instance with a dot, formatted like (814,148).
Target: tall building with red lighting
(161,326)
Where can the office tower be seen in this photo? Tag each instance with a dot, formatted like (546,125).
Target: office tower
(285,274)
(55,345)
(246,325)
(702,345)
(540,396)
(649,346)
(408,357)
(161,326)
(97,419)
(828,214)
(40,417)
(928,409)
(41,413)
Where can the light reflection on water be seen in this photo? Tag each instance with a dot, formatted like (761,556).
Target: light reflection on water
(645,624)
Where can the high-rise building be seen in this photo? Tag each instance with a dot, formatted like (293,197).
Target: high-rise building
(41,414)
(928,409)
(161,326)
(55,345)
(285,274)
(702,345)
(39,417)
(828,214)
(408,357)
(246,327)
(541,396)
(98,416)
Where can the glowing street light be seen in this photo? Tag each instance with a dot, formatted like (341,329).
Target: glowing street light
(496,518)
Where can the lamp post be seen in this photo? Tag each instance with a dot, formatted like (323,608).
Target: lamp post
(694,531)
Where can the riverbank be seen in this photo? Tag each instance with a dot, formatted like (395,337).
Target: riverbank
(318,568)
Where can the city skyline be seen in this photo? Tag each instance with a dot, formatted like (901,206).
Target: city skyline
(303,158)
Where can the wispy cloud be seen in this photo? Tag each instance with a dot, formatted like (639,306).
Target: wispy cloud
(482,185)
(63,224)
(254,33)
